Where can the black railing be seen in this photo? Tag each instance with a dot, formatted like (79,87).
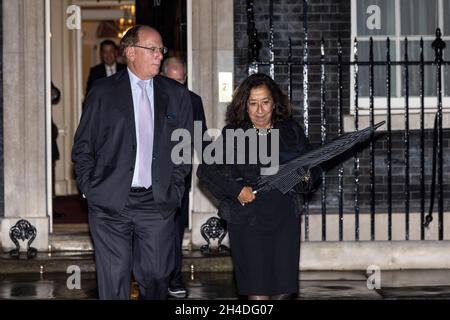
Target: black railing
(255,64)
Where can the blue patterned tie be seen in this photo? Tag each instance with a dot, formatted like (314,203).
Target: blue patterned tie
(145,138)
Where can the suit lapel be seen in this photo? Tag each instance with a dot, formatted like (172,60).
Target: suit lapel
(161,100)
(125,100)
(103,69)
(125,103)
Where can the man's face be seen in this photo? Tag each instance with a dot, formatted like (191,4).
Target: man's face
(108,54)
(141,61)
(176,72)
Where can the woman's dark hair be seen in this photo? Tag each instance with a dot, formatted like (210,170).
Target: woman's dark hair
(237,114)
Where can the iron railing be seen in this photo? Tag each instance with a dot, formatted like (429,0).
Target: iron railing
(255,64)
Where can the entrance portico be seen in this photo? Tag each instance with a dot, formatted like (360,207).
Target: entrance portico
(25,110)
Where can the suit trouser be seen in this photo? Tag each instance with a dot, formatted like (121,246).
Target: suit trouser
(136,240)
(181,221)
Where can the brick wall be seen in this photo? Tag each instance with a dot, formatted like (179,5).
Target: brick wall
(330,19)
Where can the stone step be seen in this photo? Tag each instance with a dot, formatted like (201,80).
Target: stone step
(76,237)
(71,245)
(193,261)
(70,242)
(47,262)
(70,237)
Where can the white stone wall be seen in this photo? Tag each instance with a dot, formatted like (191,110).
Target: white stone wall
(212,52)
(24,118)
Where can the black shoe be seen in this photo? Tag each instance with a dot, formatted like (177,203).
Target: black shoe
(178,292)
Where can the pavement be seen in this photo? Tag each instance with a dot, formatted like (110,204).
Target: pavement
(50,276)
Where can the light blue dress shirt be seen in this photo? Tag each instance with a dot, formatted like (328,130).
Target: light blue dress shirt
(136,91)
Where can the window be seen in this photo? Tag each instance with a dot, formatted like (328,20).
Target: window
(398,19)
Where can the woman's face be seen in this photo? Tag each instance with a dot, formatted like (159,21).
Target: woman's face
(260,107)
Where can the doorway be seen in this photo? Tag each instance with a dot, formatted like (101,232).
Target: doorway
(73,53)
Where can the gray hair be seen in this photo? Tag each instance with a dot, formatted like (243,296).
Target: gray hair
(172,60)
(131,38)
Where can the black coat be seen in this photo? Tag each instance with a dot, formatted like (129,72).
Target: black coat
(198,114)
(226,181)
(104,150)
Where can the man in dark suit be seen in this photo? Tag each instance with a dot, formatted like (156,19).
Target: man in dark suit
(122,156)
(108,67)
(175,68)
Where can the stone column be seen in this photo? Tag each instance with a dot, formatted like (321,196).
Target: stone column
(24,119)
(212,52)
(66,113)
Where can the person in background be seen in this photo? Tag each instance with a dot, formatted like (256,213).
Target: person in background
(109,65)
(56,97)
(175,68)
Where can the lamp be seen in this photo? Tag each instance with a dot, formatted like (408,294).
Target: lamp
(127,21)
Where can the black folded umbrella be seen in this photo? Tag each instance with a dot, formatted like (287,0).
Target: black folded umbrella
(295,171)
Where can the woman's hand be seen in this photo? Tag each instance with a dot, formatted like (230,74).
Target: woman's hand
(246,195)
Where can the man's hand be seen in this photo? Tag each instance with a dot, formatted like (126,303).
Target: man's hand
(246,195)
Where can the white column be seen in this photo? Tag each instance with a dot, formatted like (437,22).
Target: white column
(212,52)
(24,119)
(66,73)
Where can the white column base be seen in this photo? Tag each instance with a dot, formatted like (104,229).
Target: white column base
(387,255)
(42,231)
(198,219)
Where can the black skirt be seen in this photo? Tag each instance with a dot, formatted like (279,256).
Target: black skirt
(266,253)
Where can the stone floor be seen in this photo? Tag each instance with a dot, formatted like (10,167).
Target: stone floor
(411,284)
(210,277)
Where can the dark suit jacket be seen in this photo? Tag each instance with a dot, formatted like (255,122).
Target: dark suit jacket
(98,72)
(104,150)
(197,109)
(198,114)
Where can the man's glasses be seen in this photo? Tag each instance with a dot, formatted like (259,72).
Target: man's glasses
(153,50)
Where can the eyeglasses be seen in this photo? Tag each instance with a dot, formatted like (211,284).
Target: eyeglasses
(153,50)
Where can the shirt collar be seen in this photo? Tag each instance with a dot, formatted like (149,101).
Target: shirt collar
(134,79)
(113,66)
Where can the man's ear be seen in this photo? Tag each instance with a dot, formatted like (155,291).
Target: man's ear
(130,53)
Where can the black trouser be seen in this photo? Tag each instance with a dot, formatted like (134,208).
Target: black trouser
(181,221)
(137,240)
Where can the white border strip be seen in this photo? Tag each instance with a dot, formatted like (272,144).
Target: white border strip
(48,114)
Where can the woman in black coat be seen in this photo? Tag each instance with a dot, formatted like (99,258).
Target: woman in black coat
(264,228)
